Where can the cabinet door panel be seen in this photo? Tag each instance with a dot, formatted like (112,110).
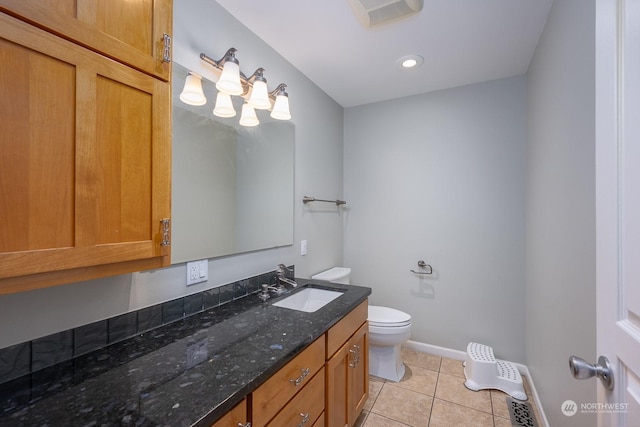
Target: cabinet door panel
(336,402)
(37,146)
(129,31)
(86,178)
(359,373)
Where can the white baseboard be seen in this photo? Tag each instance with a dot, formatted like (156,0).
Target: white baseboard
(462,355)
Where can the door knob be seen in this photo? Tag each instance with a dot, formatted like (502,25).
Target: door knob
(581,370)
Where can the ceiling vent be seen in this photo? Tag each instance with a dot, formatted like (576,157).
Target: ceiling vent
(373,13)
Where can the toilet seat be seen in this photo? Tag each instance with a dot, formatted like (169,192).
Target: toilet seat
(386,317)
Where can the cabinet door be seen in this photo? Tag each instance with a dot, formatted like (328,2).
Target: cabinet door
(235,417)
(337,367)
(348,380)
(358,373)
(129,31)
(85,165)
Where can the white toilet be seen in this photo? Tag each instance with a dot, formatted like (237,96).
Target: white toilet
(388,329)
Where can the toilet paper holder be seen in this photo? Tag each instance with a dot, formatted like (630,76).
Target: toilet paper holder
(423,264)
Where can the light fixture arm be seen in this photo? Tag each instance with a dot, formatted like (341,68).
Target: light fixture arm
(278,90)
(257,75)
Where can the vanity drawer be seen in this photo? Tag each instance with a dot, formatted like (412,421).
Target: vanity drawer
(342,331)
(284,384)
(307,405)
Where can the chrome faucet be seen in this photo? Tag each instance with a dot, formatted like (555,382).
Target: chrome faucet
(281,278)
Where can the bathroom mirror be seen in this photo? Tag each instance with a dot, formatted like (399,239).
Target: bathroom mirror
(232,186)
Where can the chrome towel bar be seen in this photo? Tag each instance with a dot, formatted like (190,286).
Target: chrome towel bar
(307,199)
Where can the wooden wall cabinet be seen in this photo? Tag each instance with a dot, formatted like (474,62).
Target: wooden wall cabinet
(85,171)
(131,32)
(347,368)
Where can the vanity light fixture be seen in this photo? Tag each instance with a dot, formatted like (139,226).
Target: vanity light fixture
(229,81)
(280,109)
(248,116)
(192,93)
(232,82)
(259,98)
(224,106)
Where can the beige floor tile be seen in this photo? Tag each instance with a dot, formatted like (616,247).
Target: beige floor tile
(501,422)
(402,405)
(375,420)
(421,360)
(419,379)
(375,385)
(452,367)
(447,414)
(499,403)
(452,390)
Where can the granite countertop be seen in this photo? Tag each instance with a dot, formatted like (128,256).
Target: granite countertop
(187,373)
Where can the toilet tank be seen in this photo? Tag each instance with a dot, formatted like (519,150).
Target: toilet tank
(336,275)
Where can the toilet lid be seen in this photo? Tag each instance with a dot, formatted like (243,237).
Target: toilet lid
(386,316)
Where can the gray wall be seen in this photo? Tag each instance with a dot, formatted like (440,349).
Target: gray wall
(203,26)
(560,236)
(440,177)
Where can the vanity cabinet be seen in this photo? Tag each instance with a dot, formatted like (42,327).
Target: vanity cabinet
(131,32)
(86,149)
(297,388)
(237,417)
(347,368)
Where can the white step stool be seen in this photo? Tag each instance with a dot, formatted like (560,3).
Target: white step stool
(483,370)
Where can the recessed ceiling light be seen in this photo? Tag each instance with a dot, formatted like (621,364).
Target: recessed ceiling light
(411,61)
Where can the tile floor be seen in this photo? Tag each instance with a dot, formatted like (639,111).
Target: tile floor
(432,394)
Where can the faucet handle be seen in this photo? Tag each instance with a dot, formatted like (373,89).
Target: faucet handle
(264,295)
(282,269)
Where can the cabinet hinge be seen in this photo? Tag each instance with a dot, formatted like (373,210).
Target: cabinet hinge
(166,51)
(165,229)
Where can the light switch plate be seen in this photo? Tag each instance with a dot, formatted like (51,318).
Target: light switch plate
(303,247)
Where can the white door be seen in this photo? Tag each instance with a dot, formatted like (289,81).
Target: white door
(618,208)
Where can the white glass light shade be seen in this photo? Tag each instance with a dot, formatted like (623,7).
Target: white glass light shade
(192,93)
(229,81)
(259,98)
(224,106)
(281,108)
(248,116)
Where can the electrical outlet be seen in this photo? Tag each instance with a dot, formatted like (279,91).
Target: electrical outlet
(303,247)
(197,272)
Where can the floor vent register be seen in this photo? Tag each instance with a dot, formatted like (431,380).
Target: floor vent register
(521,413)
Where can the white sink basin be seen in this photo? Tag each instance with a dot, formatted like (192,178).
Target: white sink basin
(308,299)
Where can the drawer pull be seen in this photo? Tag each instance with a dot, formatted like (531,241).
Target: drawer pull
(305,419)
(244,425)
(301,378)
